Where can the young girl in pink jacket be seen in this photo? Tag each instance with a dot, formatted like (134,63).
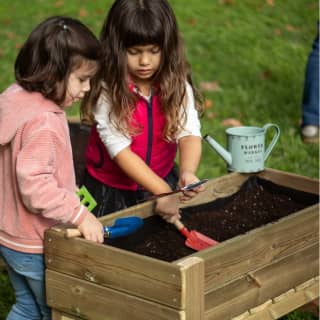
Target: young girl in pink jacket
(37,182)
(146,112)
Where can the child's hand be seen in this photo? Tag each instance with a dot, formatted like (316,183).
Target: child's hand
(92,229)
(168,208)
(185,179)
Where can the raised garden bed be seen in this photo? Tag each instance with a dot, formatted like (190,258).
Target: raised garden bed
(260,274)
(257,203)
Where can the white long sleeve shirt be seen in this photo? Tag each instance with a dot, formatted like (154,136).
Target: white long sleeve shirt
(115,141)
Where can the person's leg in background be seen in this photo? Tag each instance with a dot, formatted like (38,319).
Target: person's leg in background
(310,102)
(26,273)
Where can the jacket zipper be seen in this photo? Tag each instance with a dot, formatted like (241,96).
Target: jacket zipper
(150,132)
(150,135)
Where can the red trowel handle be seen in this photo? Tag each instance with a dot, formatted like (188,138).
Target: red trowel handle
(183,230)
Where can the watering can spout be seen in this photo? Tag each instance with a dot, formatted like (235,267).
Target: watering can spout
(219,149)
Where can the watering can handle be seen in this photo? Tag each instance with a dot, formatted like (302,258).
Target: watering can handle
(274,139)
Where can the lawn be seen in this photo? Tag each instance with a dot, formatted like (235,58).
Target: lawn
(248,57)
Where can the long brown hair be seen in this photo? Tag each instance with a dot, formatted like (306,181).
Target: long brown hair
(142,22)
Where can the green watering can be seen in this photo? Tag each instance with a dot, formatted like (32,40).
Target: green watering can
(246,147)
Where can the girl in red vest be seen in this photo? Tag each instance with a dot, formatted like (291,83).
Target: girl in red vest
(145,111)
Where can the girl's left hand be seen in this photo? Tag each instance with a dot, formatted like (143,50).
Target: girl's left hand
(185,179)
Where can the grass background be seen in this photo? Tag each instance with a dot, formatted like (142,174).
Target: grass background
(248,56)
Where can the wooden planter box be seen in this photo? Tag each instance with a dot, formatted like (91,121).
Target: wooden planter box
(263,274)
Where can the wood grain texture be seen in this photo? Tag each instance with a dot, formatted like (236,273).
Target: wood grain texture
(114,268)
(262,274)
(90,301)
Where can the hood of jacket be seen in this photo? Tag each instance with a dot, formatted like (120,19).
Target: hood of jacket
(17,106)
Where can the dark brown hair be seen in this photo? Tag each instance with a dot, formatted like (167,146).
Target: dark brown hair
(52,51)
(142,22)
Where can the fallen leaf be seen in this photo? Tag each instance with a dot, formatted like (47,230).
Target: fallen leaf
(290,28)
(231,122)
(227,2)
(58,4)
(211,115)
(11,35)
(208,103)
(100,11)
(266,74)
(270,3)
(210,86)
(18,45)
(313,6)
(277,32)
(192,22)
(83,13)
(6,21)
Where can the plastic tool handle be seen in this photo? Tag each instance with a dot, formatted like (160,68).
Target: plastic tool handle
(122,227)
(74,232)
(183,230)
(86,198)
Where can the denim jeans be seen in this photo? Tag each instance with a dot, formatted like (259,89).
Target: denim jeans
(26,273)
(310,103)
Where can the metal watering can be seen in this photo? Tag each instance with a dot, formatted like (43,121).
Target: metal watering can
(245,147)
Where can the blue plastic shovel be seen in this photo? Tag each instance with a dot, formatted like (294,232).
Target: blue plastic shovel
(121,227)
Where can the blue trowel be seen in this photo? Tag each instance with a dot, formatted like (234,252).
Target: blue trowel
(120,228)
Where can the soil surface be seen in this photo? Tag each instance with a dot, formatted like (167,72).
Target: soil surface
(257,203)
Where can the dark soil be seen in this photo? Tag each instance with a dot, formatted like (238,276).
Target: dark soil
(257,203)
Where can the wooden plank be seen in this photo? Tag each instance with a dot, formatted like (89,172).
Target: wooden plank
(241,316)
(193,287)
(290,271)
(287,304)
(273,280)
(114,268)
(279,306)
(228,265)
(215,188)
(143,210)
(259,247)
(57,315)
(225,186)
(230,183)
(291,180)
(90,301)
(218,188)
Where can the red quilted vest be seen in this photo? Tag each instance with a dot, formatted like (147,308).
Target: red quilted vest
(149,145)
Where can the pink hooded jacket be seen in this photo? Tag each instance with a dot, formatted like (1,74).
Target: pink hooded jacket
(37,180)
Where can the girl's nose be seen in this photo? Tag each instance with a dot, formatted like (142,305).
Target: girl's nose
(86,85)
(144,58)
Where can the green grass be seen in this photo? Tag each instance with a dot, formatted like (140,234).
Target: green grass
(6,295)
(254,50)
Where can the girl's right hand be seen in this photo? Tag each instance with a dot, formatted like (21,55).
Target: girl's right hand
(92,229)
(168,208)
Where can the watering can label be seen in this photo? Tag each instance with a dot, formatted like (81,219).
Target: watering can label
(246,147)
